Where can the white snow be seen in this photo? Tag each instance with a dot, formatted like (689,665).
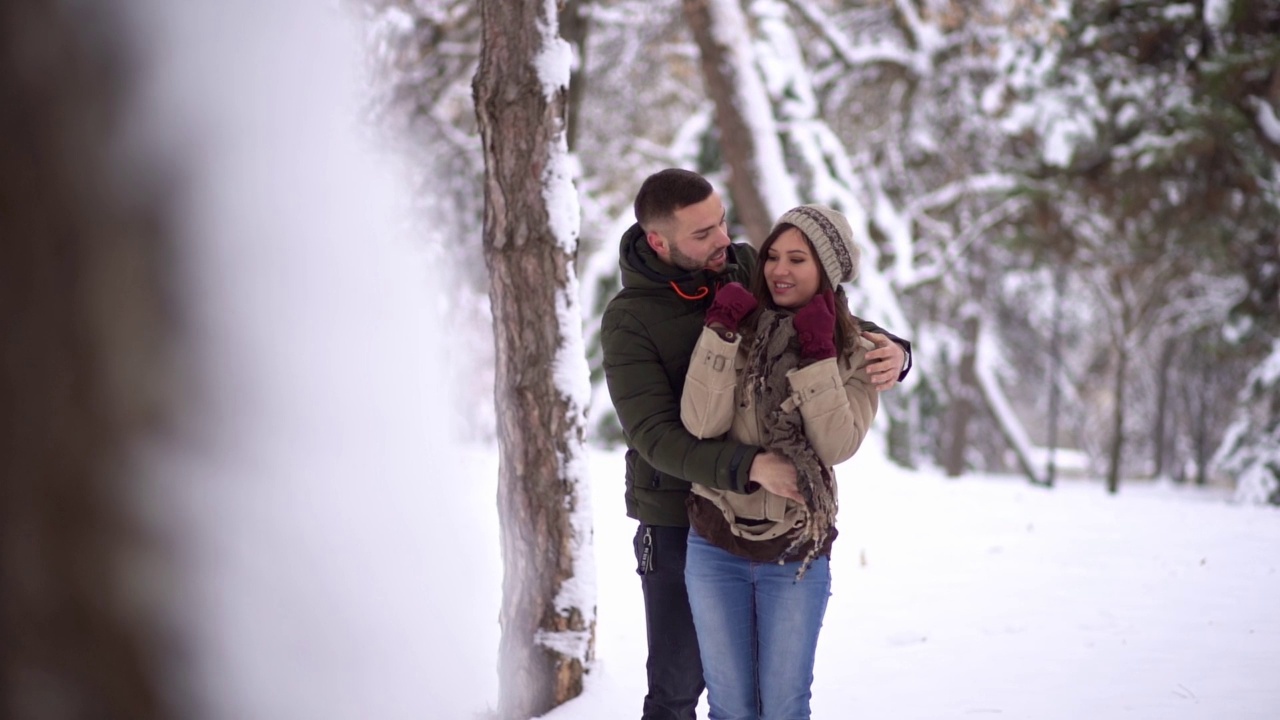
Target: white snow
(572,378)
(984,597)
(555,61)
(1217,12)
(1265,115)
(1179,11)
(564,212)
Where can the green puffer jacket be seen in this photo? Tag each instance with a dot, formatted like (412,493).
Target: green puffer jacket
(647,333)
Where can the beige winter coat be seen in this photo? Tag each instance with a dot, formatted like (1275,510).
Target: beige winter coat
(836,401)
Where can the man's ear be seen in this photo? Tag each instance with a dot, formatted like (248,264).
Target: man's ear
(657,242)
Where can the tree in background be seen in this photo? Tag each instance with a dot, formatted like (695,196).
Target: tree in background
(1009,157)
(530,245)
(1173,177)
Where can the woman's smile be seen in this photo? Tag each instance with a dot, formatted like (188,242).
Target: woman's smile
(791,270)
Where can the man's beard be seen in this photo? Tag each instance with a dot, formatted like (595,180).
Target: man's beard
(684,262)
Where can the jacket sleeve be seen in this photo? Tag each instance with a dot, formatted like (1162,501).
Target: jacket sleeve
(707,405)
(837,406)
(648,409)
(907,364)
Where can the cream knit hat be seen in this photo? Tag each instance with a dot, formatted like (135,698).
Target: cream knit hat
(832,237)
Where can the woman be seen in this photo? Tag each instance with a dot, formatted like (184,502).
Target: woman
(758,564)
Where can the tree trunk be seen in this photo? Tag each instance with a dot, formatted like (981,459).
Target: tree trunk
(575,26)
(78,379)
(963,400)
(547,632)
(1117,423)
(1200,418)
(740,144)
(1162,430)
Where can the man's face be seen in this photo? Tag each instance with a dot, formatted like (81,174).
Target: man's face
(696,238)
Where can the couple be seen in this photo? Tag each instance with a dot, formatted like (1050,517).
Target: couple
(735,403)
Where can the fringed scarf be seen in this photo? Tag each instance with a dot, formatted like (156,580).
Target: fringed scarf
(774,351)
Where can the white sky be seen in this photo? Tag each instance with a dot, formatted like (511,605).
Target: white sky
(337,552)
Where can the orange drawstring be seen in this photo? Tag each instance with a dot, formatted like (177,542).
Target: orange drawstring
(702,292)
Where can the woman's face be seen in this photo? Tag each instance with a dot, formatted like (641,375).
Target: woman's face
(791,270)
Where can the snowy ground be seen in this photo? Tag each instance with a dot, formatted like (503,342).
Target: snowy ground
(983,597)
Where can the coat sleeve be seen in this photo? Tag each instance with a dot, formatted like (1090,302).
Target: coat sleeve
(648,409)
(837,405)
(707,405)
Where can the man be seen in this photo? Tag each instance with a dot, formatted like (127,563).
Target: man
(673,260)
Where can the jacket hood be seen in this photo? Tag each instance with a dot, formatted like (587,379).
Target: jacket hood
(642,268)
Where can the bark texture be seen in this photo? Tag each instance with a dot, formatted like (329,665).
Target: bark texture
(78,377)
(737,143)
(539,430)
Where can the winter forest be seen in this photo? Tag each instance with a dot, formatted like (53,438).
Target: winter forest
(293,291)
(1069,208)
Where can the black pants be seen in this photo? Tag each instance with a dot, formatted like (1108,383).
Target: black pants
(674,666)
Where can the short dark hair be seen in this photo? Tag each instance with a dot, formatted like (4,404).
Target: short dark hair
(666,191)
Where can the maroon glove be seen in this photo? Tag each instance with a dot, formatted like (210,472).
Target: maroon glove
(815,325)
(733,302)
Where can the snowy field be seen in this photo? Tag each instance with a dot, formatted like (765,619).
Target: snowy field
(984,597)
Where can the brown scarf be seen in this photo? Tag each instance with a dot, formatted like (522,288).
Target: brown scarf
(774,351)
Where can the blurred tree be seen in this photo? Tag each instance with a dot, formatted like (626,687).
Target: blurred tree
(81,379)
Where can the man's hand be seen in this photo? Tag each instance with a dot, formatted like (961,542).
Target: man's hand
(884,363)
(776,474)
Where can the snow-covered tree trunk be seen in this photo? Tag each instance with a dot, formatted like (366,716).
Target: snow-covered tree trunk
(530,240)
(758,180)
(1251,450)
(81,312)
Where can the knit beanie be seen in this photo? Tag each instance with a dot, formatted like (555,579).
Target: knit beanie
(832,237)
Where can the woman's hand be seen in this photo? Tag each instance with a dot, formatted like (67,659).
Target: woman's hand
(733,303)
(815,325)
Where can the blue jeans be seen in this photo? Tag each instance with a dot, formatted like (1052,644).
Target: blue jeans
(757,631)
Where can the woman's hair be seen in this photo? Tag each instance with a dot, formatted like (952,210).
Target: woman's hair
(847,326)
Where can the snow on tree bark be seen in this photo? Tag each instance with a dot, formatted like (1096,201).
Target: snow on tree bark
(758,180)
(530,241)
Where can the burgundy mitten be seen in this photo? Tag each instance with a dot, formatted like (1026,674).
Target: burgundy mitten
(815,325)
(733,302)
